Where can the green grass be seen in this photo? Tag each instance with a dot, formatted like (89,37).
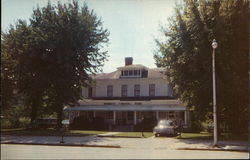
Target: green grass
(86,132)
(134,134)
(49,132)
(195,136)
(205,135)
(11,129)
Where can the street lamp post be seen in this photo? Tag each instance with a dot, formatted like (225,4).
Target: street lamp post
(214,45)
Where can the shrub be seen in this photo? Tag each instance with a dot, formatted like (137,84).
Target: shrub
(88,124)
(146,125)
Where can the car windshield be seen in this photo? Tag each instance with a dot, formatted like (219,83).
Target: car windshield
(166,123)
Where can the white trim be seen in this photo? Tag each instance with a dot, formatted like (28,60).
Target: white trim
(157,115)
(128,108)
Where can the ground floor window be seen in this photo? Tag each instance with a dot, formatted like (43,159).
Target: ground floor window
(130,115)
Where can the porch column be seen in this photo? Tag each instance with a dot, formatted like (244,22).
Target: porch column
(157,115)
(114,117)
(134,117)
(185,118)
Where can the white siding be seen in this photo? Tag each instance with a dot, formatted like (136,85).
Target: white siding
(100,90)
(85,92)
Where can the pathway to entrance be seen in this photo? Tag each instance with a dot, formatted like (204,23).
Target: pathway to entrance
(109,133)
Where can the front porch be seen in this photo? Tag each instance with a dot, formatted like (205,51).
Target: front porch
(128,119)
(130,113)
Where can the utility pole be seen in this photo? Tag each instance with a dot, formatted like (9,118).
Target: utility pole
(214,45)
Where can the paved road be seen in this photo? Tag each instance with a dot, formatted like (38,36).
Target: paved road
(63,152)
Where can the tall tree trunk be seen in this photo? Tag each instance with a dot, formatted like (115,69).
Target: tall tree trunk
(59,115)
(34,107)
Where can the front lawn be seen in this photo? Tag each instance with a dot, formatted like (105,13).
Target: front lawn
(134,134)
(205,135)
(195,136)
(86,132)
(48,132)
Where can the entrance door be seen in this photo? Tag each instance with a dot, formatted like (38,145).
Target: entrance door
(121,118)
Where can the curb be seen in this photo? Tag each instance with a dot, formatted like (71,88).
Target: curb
(63,144)
(46,135)
(120,136)
(213,149)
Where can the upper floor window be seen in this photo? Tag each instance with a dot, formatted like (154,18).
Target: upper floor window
(124,90)
(110,91)
(151,89)
(137,90)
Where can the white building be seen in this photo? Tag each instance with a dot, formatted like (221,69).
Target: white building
(127,95)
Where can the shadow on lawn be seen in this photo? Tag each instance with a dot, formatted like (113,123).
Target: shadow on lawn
(51,137)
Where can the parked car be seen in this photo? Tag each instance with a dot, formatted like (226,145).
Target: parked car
(165,127)
(65,123)
(43,123)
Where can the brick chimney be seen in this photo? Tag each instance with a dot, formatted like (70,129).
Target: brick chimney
(128,61)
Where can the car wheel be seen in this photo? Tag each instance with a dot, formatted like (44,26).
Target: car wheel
(157,134)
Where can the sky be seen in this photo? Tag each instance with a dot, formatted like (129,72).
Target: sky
(133,25)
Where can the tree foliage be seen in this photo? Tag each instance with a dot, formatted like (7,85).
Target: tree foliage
(54,54)
(187,53)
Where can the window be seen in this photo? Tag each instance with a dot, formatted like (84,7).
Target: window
(130,72)
(171,115)
(125,73)
(109,115)
(130,115)
(110,91)
(124,90)
(151,89)
(137,90)
(136,72)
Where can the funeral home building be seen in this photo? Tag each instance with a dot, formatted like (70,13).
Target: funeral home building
(127,95)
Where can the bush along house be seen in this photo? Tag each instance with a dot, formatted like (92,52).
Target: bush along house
(127,98)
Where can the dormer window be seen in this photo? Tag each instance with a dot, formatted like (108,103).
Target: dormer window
(131,70)
(131,73)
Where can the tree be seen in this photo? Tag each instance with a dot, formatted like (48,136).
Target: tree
(56,51)
(187,53)
(20,46)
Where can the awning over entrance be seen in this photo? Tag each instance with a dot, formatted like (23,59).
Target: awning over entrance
(128,108)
